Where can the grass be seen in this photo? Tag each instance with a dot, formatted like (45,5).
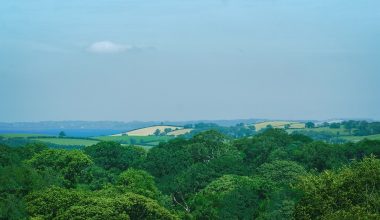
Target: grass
(67,141)
(137,140)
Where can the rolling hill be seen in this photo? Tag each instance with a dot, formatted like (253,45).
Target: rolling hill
(149,131)
(279,124)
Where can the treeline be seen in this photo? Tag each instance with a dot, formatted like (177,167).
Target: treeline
(356,128)
(22,141)
(361,128)
(273,175)
(237,131)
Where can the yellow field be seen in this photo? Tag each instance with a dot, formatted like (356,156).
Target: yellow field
(148,131)
(279,124)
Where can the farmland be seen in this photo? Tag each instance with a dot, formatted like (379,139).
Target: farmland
(149,130)
(279,124)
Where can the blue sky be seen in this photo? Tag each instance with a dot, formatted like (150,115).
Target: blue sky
(185,60)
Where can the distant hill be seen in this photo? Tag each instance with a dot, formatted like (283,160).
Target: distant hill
(148,131)
(279,124)
(99,128)
(103,128)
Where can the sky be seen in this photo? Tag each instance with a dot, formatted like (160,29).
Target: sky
(181,60)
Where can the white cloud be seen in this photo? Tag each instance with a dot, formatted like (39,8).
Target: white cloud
(108,47)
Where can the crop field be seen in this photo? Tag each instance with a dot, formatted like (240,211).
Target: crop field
(136,140)
(67,141)
(280,124)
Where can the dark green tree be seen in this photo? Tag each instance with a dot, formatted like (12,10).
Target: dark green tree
(62,134)
(112,155)
(230,197)
(309,124)
(157,132)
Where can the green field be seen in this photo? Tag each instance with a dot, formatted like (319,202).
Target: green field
(67,141)
(136,140)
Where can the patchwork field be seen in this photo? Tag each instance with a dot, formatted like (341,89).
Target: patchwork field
(280,124)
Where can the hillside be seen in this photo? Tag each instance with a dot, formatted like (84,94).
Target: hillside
(148,131)
(279,124)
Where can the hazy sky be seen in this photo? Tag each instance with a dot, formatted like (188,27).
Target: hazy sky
(189,59)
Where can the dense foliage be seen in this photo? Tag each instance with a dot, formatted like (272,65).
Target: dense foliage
(272,175)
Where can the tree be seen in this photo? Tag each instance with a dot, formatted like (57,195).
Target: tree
(112,155)
(188,126)
(133,141)
(349,193)
(58,203)
(157,132)
(8,156)
(52,202)
(261,148)
(281,173)
(167,130)
(229,197)
(97,178)
(319,155)
(334,125)
(168,158)
(349,125)
(252,127)
(139,182)
(70,164)
(17,181)
(62,134)
(309,124)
